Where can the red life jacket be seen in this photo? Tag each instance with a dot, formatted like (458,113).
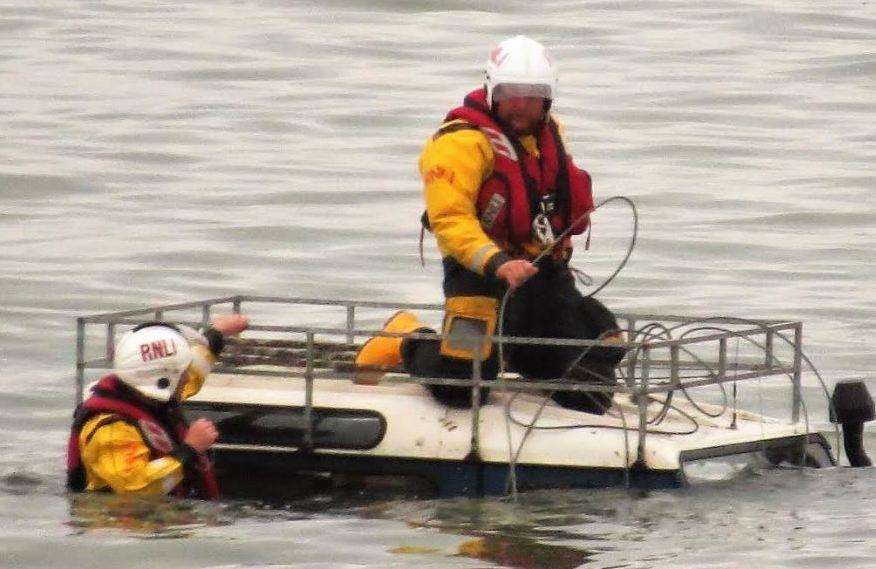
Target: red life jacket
(509,200)
(161,436)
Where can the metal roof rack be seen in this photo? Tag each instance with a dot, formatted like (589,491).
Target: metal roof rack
(666,353)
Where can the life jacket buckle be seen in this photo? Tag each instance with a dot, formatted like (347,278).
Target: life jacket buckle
(542,231)
(547,204)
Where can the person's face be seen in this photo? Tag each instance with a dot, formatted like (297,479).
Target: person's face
(523,115)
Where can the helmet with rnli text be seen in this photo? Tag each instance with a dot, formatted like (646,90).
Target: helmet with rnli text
(523,67)
(153,359)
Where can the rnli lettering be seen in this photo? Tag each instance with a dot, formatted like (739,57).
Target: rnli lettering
(439,172)
(160,349)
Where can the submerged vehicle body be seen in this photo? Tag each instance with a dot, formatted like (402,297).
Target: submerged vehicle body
(288,400)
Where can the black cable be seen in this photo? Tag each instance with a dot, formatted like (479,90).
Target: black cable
(633,240)
(507,295)
(804,357)
(649,332)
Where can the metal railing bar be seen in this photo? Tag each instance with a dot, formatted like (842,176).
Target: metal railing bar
(329,302)
(642,402)
(717,380)
(80,359)
(351,323)
(712,337)
(681,319)
(97,363)
(110,342)
(332,331)
(496,384)
(308,394)
(238,299)
(796,396)
(100,318)
(691,365)
(476,381)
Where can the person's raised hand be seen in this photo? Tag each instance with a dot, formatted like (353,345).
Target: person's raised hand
(230,324)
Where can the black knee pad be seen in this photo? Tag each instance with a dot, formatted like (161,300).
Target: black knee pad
(595,402)
(423,359)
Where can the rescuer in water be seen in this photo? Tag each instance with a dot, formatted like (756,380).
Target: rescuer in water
(129,436)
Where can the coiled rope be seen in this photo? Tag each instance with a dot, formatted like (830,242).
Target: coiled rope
(648,332)
(512,456)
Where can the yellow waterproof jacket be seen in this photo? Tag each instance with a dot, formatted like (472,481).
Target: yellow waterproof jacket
(115,456)
(454,164)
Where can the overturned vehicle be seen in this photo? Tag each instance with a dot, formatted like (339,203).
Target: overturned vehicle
(289,400)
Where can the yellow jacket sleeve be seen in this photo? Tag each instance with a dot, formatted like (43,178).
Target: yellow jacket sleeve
(115,456)
(453,167)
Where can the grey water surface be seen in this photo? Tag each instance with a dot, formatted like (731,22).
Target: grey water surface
(158,152)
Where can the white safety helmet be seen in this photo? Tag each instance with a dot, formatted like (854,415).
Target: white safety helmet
(153,359)
(523,67)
